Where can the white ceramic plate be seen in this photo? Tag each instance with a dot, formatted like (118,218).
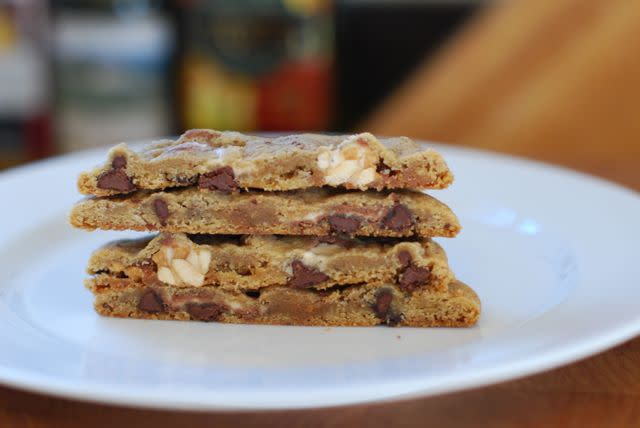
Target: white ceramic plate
(552,254)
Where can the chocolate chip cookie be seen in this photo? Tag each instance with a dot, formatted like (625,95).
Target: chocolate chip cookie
(297,230)
(366,304)
(252,262)
(304,212)
(229,161)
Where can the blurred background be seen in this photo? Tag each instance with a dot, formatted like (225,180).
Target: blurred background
(553,80)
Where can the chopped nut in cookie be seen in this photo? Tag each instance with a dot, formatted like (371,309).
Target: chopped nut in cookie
(182,264)
(352,162)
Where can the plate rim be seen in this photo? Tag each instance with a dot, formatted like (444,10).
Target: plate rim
(141,399)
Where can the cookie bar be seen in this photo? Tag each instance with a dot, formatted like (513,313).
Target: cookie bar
(241,263)
(306,212)
(228,161)
(355,305)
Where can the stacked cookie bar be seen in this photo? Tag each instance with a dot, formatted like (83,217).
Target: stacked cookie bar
(302,229)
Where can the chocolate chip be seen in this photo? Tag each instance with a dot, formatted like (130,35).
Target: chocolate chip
(115,179)
(398,218)
(119,162)
(222,179)
(151,302)
(162,210)
(304,276)
(204,311)
(405,258)
(413,277)
(383,303)
(344,224)
(382,308)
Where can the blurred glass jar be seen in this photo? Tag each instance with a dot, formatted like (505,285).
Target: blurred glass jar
(25,122)
(256,65)
(112,63)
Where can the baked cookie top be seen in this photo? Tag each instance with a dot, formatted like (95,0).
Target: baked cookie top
(317,211)
(227,161)
(251,262)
